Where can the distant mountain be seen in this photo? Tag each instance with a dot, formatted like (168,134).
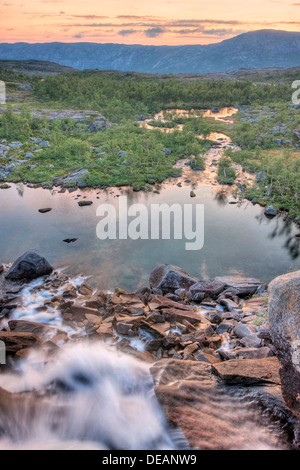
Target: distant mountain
(258,49)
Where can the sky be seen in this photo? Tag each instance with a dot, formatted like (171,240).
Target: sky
(157,22)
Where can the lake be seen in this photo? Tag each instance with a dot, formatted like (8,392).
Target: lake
(239,239)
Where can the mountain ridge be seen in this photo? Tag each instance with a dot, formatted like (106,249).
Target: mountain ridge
(256,49)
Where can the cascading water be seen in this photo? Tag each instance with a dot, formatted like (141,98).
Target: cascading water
(87,396)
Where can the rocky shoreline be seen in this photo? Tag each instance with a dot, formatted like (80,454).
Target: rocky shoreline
(193,334)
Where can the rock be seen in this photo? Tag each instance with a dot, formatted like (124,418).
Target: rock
(210,288)
(261,176)
(44,211)
(174,315)
(251,341)
(141,117)
(270,211)
(225,327)
(76,178)
(169,278)
(45,332)
(85,203)
(29,155)
(44,144)
(254,353)
(14,342)
(167,151)
(248,371)
(284,319)
(70,240)
(210,417)
(122,153)
(243,287)
(242,330)
(15,145)
(229,305)
(29,266)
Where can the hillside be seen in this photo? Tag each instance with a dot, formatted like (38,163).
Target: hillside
(259,49)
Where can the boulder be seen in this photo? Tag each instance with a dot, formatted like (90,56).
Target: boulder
(29,266)
(210,288)
(210,417)
(168,279)
(243,287)
(284,319)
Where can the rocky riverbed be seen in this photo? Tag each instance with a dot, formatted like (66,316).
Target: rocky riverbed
(207,343)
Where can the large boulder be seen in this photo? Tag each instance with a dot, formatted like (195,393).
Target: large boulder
(29,266)
(284,318)
(168,279)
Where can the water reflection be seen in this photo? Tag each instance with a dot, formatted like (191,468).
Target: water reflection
(239,239)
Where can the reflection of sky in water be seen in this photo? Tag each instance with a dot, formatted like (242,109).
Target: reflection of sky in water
(239,239)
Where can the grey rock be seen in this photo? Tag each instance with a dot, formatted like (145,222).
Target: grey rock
(122,153)
(251,341)
(15,145)
(243,287)
(167,151)
(29,155)
(270,211)
(261,176)
(284,319)
(44,144)
(242,330)
(29,266)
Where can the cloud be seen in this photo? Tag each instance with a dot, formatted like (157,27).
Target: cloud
(154,32)
(78,36)
(127,32)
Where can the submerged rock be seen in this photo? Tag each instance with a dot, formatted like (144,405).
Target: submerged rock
(29,266)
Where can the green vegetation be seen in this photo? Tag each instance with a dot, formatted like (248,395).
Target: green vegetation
(226,173)
(263,129)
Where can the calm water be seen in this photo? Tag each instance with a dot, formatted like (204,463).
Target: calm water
(239,239)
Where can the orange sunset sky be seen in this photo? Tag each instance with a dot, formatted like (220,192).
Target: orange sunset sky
(157,22)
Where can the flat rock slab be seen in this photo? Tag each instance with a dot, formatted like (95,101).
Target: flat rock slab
(14,342)
(44,332)
(210,417)
(242,286)
(249,371)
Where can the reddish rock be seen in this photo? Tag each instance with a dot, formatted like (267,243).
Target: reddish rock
(249,371)
(14,342)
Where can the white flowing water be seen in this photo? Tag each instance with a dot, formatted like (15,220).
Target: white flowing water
(89,395)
